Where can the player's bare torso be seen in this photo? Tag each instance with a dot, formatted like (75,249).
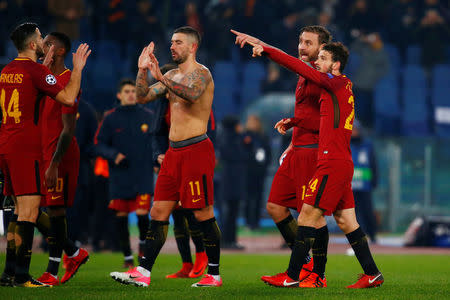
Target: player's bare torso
(189,119)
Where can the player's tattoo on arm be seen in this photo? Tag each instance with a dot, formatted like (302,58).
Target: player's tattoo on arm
(197,82)
(141,84)
(144,93)
(65,138)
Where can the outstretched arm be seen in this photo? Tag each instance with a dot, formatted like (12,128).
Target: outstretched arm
(295,65)
(197,82)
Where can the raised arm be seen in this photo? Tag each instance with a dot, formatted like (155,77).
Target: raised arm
(144,93)
(196,82)
(298,66)
(68,95)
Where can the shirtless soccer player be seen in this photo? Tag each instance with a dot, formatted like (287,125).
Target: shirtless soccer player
(299,161)
(186,174)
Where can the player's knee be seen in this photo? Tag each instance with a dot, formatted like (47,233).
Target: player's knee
(346,224)
(159,213)
(276,211)
(203,214)
(28,214)
(121,214)
(141,212)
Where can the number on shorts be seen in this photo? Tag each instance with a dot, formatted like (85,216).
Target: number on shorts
(197,184)
(303,192)
(59,185)
(313,184)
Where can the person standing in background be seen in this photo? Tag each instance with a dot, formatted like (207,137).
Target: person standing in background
(364,180)
(260,156)
(124,138)
(233,160)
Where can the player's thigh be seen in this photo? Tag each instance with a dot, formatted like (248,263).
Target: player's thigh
(282,193)
(305,165)
(26,174)
(197,174)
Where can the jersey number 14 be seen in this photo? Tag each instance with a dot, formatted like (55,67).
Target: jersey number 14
(13,106)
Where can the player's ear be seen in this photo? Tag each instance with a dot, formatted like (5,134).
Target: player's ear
(118,96)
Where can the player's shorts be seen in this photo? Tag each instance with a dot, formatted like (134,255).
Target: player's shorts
(66,185)
(187,173)
(291,179)
(24,174)
(330,189)
(129,205)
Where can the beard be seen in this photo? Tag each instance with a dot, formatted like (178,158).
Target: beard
(180,58)
(40,53)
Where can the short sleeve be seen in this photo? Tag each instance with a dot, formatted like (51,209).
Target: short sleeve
(44,80)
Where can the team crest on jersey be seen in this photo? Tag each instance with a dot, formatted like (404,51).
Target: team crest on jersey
(50,79)
(144,128)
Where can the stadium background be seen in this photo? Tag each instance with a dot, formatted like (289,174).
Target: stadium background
(402,98)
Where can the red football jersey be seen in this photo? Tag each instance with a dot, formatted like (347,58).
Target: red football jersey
(52,124)
(337,110)
(23,84)
(307,95)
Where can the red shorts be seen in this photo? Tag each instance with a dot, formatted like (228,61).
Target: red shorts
(330,188)
(66,185)
(129,205)
(187,174)
(292,177)
(24,174)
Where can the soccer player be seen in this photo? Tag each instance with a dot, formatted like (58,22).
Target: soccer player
(185,226)
(61,162)
(186,175)
(23,84)
(298,162)
(330,189)
(124,138)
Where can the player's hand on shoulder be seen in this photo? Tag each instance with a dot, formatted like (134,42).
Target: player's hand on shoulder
(80,57)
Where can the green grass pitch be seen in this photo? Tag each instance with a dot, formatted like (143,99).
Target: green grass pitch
(406,277)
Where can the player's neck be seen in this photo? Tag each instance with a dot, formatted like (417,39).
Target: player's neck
(187,65)
(57,67)
(336,73)
(28,54)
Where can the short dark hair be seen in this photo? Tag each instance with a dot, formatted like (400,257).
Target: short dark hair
(188,30)
(325,36)
(21,34)
(338,52)
(124,82)
(63,39)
